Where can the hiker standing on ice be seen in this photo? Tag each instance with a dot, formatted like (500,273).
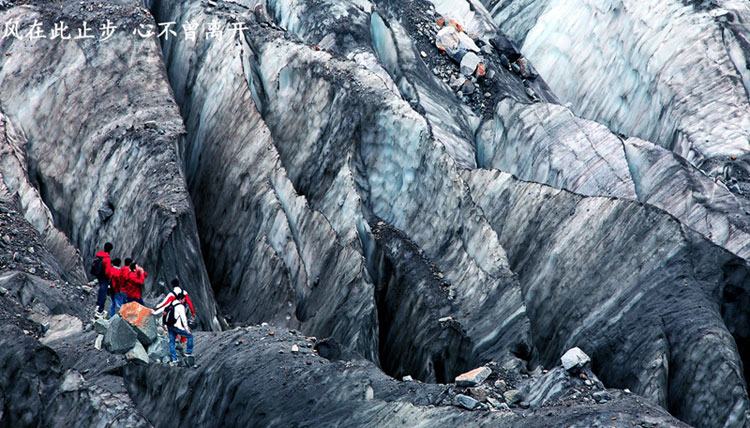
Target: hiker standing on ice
(99,268)
(175,319)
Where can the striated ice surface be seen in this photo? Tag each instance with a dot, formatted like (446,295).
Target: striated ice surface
(663,71)
(658,285)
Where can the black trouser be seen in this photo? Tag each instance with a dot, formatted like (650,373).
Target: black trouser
(101,297)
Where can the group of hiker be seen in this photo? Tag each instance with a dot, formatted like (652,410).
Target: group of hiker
(124,284)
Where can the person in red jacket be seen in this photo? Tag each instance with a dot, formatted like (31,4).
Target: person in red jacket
(118,296)
(136,278)
(99,268)
(176,291)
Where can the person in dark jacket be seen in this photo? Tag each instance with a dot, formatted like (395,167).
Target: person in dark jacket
(103,265)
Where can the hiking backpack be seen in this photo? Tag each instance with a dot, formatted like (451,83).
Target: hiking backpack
(170,319)
(97,267)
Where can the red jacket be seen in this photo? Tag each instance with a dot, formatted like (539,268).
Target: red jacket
(133,283)
(114,275)
(106,262)
(123,279)
(170,298)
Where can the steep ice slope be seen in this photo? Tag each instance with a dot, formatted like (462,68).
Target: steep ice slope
(14,175)
(358,30)
(633,288)
(105,158)
(666,180)
(664,71)
(269,255)
(547,144)
(407,178)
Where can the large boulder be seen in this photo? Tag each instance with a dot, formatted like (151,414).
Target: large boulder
(473,377)
(120,336)
(158,350)
(141,319)
(138,352)
(574,359)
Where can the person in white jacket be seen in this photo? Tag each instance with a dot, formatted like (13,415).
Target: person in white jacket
(177,325)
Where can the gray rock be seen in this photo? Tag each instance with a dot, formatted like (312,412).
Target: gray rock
(60,327)
(101,325)
(143,323)
(98,342)
(473,377)
(469,63)
(512,396)
(574,359)
(465,401)
(6,239)
(72,381)
(120,336)
(137,352)
(159,349)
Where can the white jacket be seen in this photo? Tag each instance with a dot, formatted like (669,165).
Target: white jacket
(180,316)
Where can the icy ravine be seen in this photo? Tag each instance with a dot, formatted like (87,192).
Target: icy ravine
(668,284)
(85,149)
(269,255)
(374,158)
(664,71)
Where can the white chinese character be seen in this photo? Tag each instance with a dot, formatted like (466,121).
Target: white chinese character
(167,31)
(35,32)
(11,30)
(60,31)
(85,32)
(214,30)
(149,30)
(107,30)
(190,30)
(236,27)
